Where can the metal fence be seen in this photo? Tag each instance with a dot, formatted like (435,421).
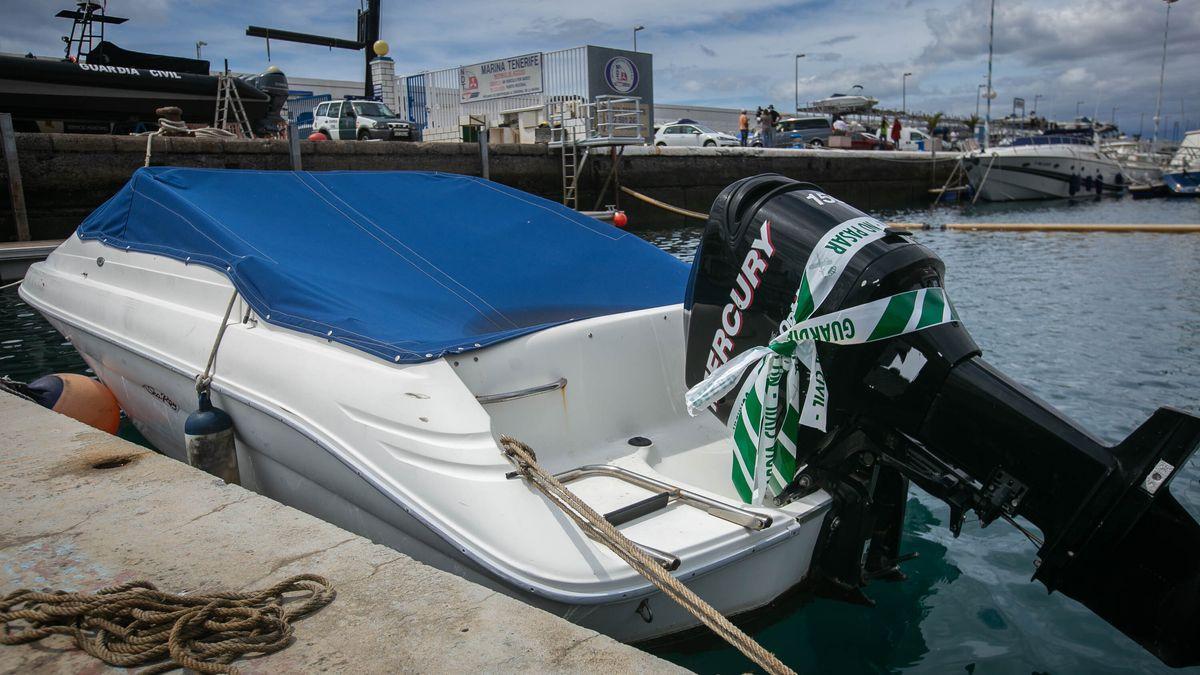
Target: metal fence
(300,109)
(431,101)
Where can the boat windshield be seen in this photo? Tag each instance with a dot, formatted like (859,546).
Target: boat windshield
(1052,140)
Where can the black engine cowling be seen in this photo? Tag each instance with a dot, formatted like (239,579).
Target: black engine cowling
(925,407)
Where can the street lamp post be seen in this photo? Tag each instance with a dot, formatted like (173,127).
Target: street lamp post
(635,32)
(798,57)
(199,44)
(904,93)
(1162,73)
(1077,104)
(991,93)
(1036,97)
(1113,118)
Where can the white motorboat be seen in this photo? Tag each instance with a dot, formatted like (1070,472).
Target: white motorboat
(405,453)
(844,103)
(1044,167)
(1182,175)
(375,333)
(1141,163)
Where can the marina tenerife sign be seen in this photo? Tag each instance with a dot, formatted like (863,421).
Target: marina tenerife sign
(504,77)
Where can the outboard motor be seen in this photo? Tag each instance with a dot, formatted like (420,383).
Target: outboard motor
(274,84)
(923,406)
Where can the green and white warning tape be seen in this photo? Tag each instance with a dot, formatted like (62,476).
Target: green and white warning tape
(765,422)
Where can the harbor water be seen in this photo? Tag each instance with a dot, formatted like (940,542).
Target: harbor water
(1104,326)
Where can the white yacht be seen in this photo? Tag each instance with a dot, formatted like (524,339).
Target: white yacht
(1044,167)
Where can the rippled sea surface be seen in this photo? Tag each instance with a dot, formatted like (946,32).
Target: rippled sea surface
(1104,326)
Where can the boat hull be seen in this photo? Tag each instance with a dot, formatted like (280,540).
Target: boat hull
(1005,175)
(40,89)
(1186,184)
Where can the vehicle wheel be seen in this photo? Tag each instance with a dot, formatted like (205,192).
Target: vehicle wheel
(326,134)
(710,144)
(363,134)
(817,143)
(756,144)
(660,145)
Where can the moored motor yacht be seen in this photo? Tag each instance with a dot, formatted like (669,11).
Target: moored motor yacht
(394,437)
(1044,167)
(375,333)
(1182,175)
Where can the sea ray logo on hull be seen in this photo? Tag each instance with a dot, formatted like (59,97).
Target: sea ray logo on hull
(741,297)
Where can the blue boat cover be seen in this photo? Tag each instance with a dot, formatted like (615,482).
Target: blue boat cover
(408,266)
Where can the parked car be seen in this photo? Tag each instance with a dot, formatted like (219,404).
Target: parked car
(361,120)
(862,140)
(811,131)
(691,133)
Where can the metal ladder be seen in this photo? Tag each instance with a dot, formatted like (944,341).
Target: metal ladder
(570,170)
(228,100)
(564,135)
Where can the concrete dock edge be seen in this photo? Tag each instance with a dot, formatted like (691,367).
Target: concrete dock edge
(71,525)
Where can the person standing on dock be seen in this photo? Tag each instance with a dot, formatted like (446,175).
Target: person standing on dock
(896,132)
(744,127)
(883,132)
(765,130)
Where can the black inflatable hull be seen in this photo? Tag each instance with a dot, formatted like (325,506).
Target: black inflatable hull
(41,89)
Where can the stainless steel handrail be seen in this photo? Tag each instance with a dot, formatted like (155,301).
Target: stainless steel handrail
(485,399)
(734,514)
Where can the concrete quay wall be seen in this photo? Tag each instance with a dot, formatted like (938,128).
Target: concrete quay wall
(66,176)
(85,510)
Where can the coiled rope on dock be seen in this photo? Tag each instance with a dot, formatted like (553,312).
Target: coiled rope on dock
(135,624)
(595,526)
(168,127)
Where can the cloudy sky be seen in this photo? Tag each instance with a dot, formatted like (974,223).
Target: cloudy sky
(1104,53)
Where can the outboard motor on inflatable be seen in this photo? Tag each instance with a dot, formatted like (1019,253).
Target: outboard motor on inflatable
(925,407)
(274,84)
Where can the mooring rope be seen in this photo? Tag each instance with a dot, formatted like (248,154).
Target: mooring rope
(595,526)
(664,205)
(135,624)
(205,379)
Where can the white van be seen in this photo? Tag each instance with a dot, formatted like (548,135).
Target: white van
(913,139)
(359,120)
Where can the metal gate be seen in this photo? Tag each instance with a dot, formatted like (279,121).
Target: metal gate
(415,104)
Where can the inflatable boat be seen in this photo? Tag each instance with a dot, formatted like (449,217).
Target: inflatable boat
(751,422)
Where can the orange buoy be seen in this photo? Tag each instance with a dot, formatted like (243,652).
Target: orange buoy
(620,219)
(317,136)
(78,397)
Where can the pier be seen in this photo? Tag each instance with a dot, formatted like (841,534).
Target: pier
(66,176)
(85,510)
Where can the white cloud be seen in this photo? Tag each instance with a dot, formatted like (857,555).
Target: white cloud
(716,52)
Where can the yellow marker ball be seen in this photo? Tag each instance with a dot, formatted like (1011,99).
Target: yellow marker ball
(380,47)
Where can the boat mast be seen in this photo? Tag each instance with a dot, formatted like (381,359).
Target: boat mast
(1162,74)
(987,121)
